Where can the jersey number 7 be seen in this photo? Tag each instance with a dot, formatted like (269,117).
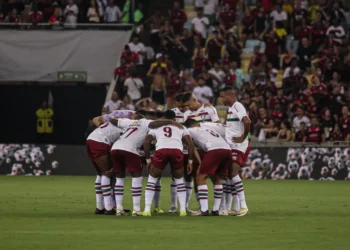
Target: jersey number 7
(132,130)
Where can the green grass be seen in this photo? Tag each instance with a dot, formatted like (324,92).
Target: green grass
(57,213)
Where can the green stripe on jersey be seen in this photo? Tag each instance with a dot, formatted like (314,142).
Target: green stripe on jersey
(233,119)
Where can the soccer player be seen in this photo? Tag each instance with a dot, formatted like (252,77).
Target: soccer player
(125,155)
(237,129)
(199,112)
(98,147)
(215,162)
(168,150)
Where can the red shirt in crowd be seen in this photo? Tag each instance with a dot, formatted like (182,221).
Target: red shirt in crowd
(264,119)
(228,18)
(317,89)
(130,56)
(303,32)
(35,17)
(312,109)
(272,45)
(299,136)
(122,71)
(199,62)
(14,19)
(344,123)
(230,79)
(314,134)
(277,116)
(281,100)
(267,4)
(173,86)
(232,3)
(178,19)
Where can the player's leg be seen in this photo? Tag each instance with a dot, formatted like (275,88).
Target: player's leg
(105,165)
(173,195)
(218,193)
(119,170)
(240,206)
(188,183)
(134,166)
(158,164)
(229,195)
(156,199)
(203,195)
(176,164)
(222,209)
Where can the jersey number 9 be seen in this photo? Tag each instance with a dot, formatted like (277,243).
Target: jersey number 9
(167,132)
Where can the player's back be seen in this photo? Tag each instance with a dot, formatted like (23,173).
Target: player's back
(106,133)
(219,128)
(169,137)
(134,135)
(202,114)
(207,139)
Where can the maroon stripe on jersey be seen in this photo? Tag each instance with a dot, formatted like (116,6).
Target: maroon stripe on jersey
(191,116)
(204,113)
(238,183)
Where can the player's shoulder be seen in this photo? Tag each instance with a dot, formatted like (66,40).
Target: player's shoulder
(237,106)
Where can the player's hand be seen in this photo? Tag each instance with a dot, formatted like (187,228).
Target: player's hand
(177,125)
(189,168)
(207,105)
(113,120)
(238,139)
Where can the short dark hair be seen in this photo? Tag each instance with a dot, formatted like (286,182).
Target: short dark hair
(179,97)
(186,97)
(139,117)
(141,112)
(303,123)
(169,114)
(190,123)
(159,113)
(226,88)
(151,114)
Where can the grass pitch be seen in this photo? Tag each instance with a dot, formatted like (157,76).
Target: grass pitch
(57,213)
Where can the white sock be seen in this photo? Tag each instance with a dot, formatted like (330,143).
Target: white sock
(156,198)
(218,193)
(240,190)
(197,198)
(149,193)
(107,191)
(189,187)
(236,203)
(181,193)
(228,195)
(173,194)
(136,191)
(119,193)
(99,195)
(222,203)
(203,197)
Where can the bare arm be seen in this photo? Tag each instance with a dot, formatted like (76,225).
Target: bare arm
(247,123)
(189,142)
(147,146)
(161,123)
(97,121)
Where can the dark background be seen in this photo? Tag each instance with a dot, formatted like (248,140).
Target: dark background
(73,106)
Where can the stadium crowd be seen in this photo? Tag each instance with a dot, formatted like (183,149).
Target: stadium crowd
(287,61)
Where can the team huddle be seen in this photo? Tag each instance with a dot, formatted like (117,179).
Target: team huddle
(190,139)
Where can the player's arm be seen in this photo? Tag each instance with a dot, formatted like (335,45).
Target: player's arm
(246,123)
(147,146)
(97,121)
(214,115)
(161,123)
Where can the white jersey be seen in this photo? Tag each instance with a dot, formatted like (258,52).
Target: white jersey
(207,139)
(169,137)
(134,135)
(179,118)
(219,128)
(235,126)
(202,114)
(107,133)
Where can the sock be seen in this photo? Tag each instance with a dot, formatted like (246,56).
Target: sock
(203,197)
(198,201)
(149,193)
(222,203)
(236,204)
(119,192)
(157,193)
(136,191)
(218,193)
(188,186)
(107,191)
(173,194)
(228,196)
(240,190)
(99,196)
(181,193)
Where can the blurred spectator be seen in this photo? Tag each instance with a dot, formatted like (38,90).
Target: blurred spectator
(158,84)
(293,67)
(273,48)
(129,56)
(301,133)
(203,93)
(337,134)
(200,61)
(314,133)
(218,74)
(94,13)
(248,22)
(133,86)
(14,17)
(269,131)
(56,17)
(128,105)
(344,121)
(336,100)
(213,47)
(261,23)
(71,13)
(35,16)
(114,104)
(178,18)
(305,53)
(337,31)
(126,12)
(328,124)
(112,13)
(174,85)
(138,47)
(285,133)
(148,104)
(201,25)
(299,118)
(238,73)
(44,124)
(227,16)
(278,15)
(211,7)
